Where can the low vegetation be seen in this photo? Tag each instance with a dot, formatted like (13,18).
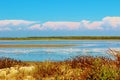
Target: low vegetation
(66,38)
(8,62)
(78,68)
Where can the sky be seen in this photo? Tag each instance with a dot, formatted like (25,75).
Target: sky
(26,18)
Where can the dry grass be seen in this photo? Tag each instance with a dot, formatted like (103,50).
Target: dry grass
(8,62)
(78,68)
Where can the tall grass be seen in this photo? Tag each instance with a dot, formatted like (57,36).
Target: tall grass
(78,68)
(81,68)
(8,62)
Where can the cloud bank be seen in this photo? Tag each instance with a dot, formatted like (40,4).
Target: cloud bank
(7,25)
(107,23)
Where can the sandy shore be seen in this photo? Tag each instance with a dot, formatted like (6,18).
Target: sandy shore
(33,45)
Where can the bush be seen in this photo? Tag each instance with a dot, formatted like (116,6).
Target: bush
(78,68)
(8,62)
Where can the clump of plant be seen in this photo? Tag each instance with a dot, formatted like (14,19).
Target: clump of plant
(116,54)
(96,68)
(8,62)
(77,68)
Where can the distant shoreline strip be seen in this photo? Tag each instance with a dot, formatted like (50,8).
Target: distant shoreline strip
(64,38)
(34,45)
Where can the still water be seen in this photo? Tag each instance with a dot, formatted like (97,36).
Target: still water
(83,48)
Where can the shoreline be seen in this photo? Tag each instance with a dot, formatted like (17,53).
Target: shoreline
(53,38)
(34,45)
(68,40)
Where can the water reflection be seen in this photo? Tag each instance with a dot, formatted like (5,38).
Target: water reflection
(85,48)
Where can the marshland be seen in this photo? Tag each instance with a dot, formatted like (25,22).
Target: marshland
(59,40)
(59,60)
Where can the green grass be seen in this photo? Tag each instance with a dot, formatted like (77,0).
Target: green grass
(66,38)
(78,68)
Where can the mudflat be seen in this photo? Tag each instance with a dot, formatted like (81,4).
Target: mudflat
(34,45)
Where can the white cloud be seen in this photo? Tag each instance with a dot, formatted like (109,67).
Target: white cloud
(112,21)
(15,22)
(61,25)
(91,25)
(106,23)
(7,25)
(36,27)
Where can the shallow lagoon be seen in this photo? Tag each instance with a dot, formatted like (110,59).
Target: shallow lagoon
(83,48)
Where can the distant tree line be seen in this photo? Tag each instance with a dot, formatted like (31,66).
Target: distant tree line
(66,38)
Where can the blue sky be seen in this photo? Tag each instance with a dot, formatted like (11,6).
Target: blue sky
(22,18)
